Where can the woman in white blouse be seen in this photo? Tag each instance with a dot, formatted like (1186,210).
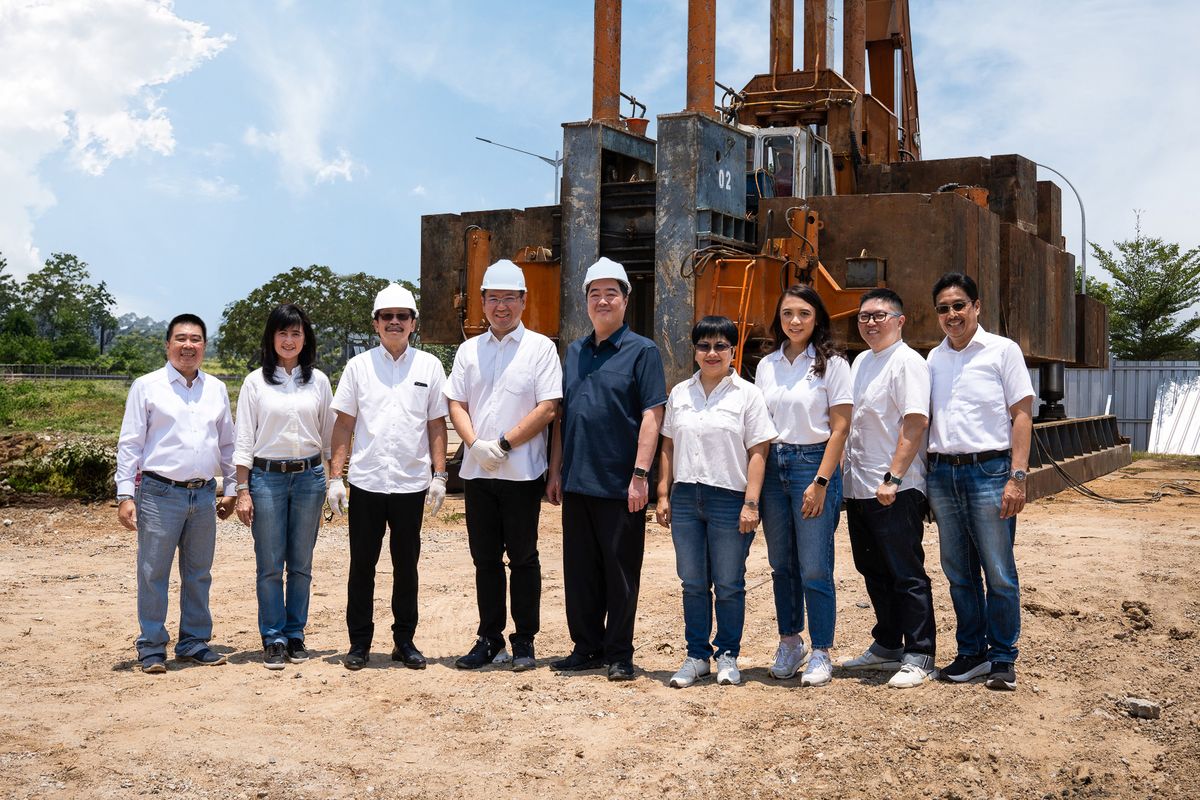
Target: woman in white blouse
(806,383)
(716,432)
(283,429)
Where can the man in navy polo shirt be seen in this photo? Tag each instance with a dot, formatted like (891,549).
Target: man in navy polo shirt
(614,391)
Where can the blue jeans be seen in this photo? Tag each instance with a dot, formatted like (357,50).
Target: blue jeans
(287,516)
(168,519)
(799,550)
(966,501)
(710,555)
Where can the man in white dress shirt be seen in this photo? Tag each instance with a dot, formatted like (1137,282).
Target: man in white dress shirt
(979,438)
(390,402)
(885,493)
(503,391)
(179,434)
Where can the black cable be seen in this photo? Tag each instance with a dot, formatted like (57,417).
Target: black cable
(1155,496)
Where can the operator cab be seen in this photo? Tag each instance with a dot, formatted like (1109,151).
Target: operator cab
(787,162)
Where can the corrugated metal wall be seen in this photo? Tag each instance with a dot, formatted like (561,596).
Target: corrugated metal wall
(1132,385)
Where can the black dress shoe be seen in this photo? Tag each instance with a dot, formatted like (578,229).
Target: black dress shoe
(356,659)
(482,653)
(620,671)
(409,655)
(577,662)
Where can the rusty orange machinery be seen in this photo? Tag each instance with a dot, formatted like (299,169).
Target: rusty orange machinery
(542,285)
(746,288)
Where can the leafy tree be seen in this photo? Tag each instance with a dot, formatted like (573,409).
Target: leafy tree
(340,307)
(134,354)
(9,291)
(74,314)
(1152,283)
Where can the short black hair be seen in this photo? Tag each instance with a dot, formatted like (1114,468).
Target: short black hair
(964,282)
(885,294)
(283,317)
(713,327)
(187,319)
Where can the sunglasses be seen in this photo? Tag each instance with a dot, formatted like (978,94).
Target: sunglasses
(878,316)
(945,308)
(705,347)
(388,316)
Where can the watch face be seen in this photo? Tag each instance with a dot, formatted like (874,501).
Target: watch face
(887,477)
(1020,474)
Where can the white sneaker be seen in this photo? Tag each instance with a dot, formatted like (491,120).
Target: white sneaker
(788,660)
(869,660)
(819,671)
(910,676)
(727,670)
(693,669)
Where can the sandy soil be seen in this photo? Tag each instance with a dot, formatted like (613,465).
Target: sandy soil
(1111,607)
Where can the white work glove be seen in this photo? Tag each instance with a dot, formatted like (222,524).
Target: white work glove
(488,454)
(336,495)
(436,495)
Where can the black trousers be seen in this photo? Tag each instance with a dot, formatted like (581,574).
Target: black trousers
(886,542)
(502,516)
(602,570)
(370,514)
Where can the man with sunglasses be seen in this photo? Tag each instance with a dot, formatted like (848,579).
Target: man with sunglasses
(503,392)
(885,493)
(979,438)
(390,402)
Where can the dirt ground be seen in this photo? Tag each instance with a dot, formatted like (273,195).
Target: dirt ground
(1111,610)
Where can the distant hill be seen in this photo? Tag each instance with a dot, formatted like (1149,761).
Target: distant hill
(132,323)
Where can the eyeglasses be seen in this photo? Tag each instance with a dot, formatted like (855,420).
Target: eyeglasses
(944,308)
(705,347)
(876,316)
(388,316)
(507,300)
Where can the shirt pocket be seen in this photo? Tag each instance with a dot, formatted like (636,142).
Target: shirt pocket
(518,381)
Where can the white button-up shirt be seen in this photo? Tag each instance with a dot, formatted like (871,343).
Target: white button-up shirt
(712,434)
(973,389)
(798,399)
(500,381)
(285,420)
(177,431)
(392,402)
(888,386)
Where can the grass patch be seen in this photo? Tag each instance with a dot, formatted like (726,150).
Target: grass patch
(92,408)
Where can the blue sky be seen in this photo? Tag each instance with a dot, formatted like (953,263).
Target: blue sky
(188,151)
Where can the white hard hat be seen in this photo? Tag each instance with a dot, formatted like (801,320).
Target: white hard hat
(395,296)
(606,268)
(504,274)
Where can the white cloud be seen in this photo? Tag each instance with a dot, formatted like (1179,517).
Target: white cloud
(418,191)
(304,96)
(84,74)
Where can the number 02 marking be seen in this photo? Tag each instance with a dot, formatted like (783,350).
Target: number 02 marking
(724,179)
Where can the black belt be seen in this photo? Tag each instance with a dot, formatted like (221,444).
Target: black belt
(958,459)
(288,464)
(194,483)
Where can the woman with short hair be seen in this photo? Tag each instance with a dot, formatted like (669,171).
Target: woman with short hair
(716,432)
(283,430)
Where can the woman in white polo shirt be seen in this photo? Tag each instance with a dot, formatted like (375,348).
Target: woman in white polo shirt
(806,384)
(716,433)
(283,431)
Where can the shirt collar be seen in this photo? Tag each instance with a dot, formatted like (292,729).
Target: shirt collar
(694,381)
(615,340)
(175,376)
(980,339)
(516,334)
(386,357)
(810,353)
(286,376)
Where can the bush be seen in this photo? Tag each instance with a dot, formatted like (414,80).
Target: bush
(81,468)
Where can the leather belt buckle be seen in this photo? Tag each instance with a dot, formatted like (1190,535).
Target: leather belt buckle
(194,483)
(294,466)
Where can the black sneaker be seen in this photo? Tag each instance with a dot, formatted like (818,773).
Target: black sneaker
(523,658)
(296,653)
(620,671)
(965,668)
(273,655)
(1003,676)
(357,658)
(484,652)
(578,662)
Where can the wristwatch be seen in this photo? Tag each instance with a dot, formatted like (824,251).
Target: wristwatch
(442,475)
(751,504)
(1019,475)
(504,444)
(121,498)
(888,477)
(820,481)
(243,487)
(638,472)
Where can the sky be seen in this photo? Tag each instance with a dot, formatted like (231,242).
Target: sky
(188,151)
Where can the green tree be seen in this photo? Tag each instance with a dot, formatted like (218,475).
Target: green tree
(1153,282)
(340,307)
(9,291)
(70,311)
(134,353)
